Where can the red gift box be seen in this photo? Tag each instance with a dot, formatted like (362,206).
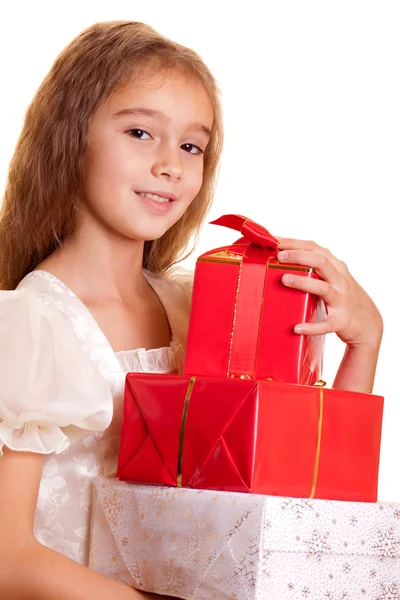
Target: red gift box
(250,436)
(242,316)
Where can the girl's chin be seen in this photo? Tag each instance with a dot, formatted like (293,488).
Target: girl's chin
(150,228)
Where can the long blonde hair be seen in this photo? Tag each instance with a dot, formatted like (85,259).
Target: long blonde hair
(45,176)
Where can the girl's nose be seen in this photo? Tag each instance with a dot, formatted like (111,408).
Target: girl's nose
(168,165)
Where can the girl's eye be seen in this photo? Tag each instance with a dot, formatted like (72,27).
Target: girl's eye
(139,134)
(192,149)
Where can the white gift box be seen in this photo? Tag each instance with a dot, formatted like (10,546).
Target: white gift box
(199,544)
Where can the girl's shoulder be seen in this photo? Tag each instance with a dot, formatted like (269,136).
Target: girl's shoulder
(177,282)
(22,308)
(175,291)
(46,380)
(32,307)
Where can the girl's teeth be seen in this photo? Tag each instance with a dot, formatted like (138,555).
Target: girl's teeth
(155,197)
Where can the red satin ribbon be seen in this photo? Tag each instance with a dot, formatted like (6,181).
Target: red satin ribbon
(255,233)
(250,292)
(248,312)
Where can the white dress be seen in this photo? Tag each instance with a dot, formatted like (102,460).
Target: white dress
(61,394)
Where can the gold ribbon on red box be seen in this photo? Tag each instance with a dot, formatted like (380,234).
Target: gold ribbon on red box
(245,333)
(319,384)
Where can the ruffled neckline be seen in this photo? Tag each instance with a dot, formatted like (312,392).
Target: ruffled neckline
(173,297)
(157,360)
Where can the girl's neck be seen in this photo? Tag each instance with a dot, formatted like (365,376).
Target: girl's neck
(98,263)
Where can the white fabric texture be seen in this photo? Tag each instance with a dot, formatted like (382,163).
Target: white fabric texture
(61,393)
(203,544)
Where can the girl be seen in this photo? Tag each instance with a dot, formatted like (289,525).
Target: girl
(113,174)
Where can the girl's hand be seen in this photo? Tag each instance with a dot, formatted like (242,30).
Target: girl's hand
(351,313)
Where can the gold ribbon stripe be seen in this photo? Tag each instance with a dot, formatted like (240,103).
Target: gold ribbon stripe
(188,396)
(319,436)
(182,430)
(232,333)
(320,384)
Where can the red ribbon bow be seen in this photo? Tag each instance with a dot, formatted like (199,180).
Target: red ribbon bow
(253,232)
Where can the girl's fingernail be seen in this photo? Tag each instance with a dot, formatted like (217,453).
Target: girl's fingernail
(283,255)
(298,328)
(287,279)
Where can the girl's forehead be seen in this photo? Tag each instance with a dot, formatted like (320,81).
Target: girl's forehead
(166,92)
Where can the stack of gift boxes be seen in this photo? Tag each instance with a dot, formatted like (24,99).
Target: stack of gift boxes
(249,415)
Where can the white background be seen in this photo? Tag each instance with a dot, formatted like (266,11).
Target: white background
(311,97)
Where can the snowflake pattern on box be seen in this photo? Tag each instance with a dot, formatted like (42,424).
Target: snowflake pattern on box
(391,592)
(298,506)
(174,577)
(317,545)
(388,545)
(204,545)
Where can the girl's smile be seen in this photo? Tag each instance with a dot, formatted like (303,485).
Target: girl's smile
(158,202)
(148,138)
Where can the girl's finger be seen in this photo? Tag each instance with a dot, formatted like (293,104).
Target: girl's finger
(324,327)
(293,244)
(320,288)
(322,264)
(310,246)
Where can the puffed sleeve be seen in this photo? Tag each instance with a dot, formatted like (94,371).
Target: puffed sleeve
(51,393)
(184,278)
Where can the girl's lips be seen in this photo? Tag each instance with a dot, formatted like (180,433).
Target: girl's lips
(171,197)
(155,206)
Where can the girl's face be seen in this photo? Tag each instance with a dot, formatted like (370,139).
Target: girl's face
(144,159)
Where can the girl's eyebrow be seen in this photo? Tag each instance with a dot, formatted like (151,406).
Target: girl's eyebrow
(149,112)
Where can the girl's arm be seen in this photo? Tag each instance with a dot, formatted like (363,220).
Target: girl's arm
(351,314)
(28,570)
(357,369)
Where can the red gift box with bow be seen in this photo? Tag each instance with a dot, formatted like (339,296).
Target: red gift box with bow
(250,436)
(242,316)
